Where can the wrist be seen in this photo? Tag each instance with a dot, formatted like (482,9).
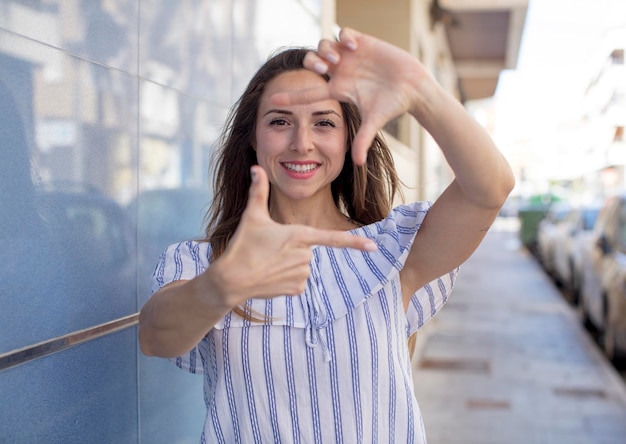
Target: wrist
(216,289)
(426,94)
(432,105)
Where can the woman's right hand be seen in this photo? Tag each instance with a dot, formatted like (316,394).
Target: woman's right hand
(266,259)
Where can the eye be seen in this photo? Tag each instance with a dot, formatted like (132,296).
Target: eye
(327,122)
(278,121)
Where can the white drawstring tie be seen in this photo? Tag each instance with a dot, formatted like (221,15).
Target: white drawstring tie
(316,317)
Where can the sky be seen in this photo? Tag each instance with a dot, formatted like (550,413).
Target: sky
(556,53)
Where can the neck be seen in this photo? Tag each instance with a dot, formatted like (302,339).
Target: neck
(318,213)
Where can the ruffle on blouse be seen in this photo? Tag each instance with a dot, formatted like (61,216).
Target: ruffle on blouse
(340,280)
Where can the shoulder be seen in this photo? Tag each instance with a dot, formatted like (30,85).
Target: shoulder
(181,261)
(188,247)
(409,213)
(400,225)
(187,252)
(364,273)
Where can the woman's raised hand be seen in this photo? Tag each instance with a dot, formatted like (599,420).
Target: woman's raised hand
(265,258)
(379,78)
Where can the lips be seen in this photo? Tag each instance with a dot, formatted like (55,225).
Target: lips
(300,167)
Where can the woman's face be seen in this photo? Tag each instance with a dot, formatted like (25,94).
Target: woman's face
(302,147)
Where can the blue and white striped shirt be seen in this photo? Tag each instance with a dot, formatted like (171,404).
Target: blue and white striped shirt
(333,364)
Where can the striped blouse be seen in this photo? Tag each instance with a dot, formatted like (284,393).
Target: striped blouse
(332,365)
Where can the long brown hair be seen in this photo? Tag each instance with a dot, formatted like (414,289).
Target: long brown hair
(363,193)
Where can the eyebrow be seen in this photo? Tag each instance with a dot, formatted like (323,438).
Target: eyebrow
(315,113)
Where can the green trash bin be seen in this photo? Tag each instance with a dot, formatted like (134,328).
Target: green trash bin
(530,215)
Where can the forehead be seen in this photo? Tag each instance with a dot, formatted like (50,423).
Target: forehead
(296,81)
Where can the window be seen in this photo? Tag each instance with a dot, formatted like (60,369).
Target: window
(617,57)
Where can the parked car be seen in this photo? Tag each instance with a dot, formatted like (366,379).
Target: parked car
(571,244)
(548,231)
(603,295)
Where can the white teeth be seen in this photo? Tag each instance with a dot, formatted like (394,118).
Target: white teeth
(300,168)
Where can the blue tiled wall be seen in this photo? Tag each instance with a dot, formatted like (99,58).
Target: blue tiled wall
(109,111)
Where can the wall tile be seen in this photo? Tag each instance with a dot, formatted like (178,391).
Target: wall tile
(105,32)
(86,394)
(69,142)
(186,45)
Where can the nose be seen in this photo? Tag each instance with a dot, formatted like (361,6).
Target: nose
(303,139)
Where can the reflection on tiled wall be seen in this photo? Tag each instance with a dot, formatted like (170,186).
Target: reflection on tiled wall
(74,138)
(109,113)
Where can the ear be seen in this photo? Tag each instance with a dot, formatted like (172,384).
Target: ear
(253,145)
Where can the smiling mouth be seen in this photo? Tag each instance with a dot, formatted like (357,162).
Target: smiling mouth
(300,168)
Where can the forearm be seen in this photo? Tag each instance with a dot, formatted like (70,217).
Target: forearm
(177,317)
(481,171)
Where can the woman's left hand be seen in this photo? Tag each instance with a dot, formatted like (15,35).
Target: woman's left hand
(376,76)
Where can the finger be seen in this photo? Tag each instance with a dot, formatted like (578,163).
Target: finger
(314,62)
(348,38)
(259,191)
(337,239)
(328,51)
(309,95)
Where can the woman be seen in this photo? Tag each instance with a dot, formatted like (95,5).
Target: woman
(298,305)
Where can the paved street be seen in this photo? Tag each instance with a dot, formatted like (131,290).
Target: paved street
(506,361)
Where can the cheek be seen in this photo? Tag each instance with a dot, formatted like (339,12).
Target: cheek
(264,143)
(340,146)
(338,156)
(267,150)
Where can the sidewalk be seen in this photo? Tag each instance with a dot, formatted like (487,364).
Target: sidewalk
(506,361)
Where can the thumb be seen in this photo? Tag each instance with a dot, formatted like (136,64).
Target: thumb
(309,95)
(363,141)
(259,191)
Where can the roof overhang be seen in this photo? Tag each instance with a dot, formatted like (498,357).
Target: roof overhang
(484,37)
